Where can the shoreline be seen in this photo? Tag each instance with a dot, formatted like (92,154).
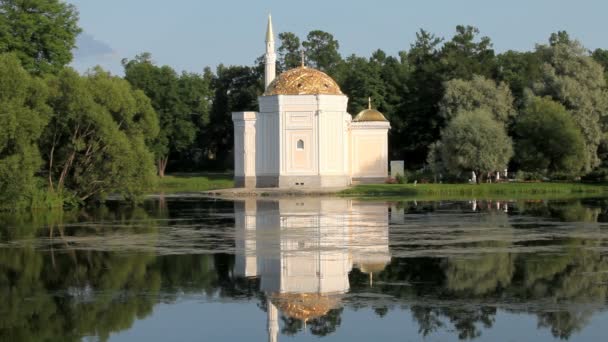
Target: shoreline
(427,191)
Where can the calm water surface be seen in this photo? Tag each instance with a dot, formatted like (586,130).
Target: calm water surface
(195,269)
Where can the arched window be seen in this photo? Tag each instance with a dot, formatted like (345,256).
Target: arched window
(300,144)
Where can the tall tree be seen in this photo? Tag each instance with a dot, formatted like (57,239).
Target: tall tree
(601,56)
(162,86)
(23,116)
(520,70)
(479,92)
(322,50)
(359,79)
(236,89)
(289,51)
(571,77)
(548,140)
(419,121)
(42,33)
(474,141)
(95,143)
(463,56)
(196,93)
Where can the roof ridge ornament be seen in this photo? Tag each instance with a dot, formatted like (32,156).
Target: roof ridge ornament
(369,102)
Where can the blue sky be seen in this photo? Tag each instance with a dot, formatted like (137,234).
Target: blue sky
(191,34)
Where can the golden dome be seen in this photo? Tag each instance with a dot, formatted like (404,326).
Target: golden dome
(304,306)
(303,81)
(369,114)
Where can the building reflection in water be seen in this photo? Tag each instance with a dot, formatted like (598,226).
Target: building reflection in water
(302,250)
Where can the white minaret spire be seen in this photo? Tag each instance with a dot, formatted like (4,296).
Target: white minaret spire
(270,57)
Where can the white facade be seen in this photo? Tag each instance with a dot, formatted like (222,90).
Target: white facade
(303,249)
(303,135)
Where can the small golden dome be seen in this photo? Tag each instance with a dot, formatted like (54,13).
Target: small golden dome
(303,81)
(304,306)
(369,114)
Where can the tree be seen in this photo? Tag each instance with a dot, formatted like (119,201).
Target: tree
(95,143)
(601,56)
(571,77)
(520,70)
(162,86)
(236,89)
(23,116)
(418,123)
(42,33)
(361,79)
(289,51)
(474,141)
(547,139)
(196,94)
(462,57)
(478,93)
(321,50)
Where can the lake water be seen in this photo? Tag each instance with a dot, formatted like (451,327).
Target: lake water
(300,269)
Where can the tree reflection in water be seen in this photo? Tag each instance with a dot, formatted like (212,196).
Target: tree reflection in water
(64,276)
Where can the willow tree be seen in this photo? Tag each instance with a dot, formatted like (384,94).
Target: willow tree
(474,141)
(477,93)
(95,143)
(573,78)
(23,116)
(548,140)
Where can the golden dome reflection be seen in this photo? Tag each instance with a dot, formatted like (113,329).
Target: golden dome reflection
(304,306)
(303,81)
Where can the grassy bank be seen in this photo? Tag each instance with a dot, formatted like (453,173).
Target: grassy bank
(192,182)
(468,191)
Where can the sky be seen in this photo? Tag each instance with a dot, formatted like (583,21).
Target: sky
(190,35)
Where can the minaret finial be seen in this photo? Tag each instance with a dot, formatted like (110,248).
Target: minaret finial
(302,56)
(270,57)
(369,102)
(269,33)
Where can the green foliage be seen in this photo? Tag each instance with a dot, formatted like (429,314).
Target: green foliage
(289,51)
(462,56)
(548,140)
(601,56)
(416,122)
(597,175)
(474,141)
(42,33)
(520,70)
(23,116)
(571,77)
(182,104)
(321,50)
(95,142)
(360,79)
(236,89)
(478,93)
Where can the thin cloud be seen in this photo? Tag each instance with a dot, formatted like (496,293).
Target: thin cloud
(88,47)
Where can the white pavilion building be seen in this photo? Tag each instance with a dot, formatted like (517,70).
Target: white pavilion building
(302,250)
(304,137)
